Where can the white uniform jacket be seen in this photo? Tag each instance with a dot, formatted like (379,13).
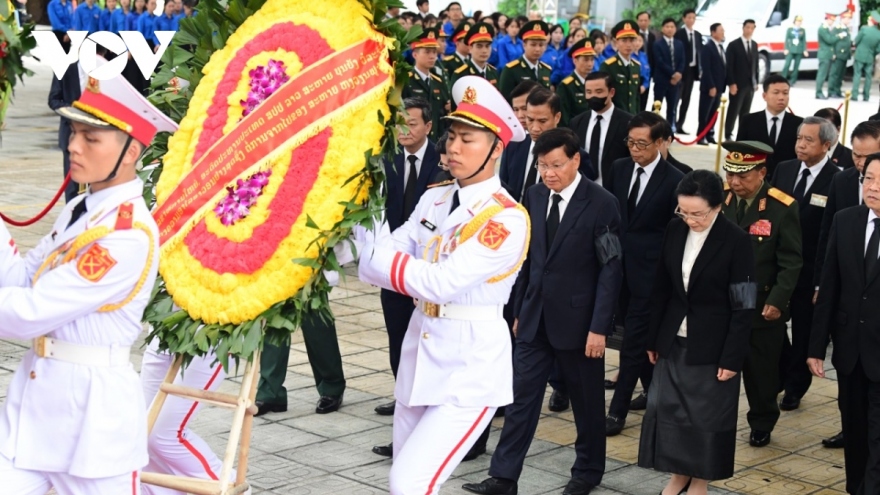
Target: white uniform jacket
(87,421)
(453,361)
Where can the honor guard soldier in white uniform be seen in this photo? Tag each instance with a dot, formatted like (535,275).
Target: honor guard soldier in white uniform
(74,415)
(458,255)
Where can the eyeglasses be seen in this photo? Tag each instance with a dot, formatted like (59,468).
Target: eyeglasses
(641,145)
(694,216)
(554,167)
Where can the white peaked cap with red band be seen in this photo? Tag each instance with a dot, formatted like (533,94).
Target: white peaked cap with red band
(479,104)
(115,104)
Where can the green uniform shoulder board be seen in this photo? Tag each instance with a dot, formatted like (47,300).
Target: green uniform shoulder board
(437,78)
(461,69)
(546,66)
(448,58)
(634,61)
(512,63)
(567,80)
(726,186)
(490,66)
(441,184)
(780,196)
(610,60)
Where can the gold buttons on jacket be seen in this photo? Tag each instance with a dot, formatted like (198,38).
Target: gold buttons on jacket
(425,335)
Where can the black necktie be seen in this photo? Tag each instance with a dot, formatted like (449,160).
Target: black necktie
(595,139)
(671,53)
(531,178)
(455,202)
(553,218)
(871,252)
(800,189)
(741,206)
(78,211)
(634,192)
(409,191)
(723,56)
(773,132)
(693,49)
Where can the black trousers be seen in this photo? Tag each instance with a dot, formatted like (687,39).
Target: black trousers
(708,106)
(634,363)
(740,106)
(397,310)
(761,376)
(690,75)
(796,376)
(670,94)
(860,412)
(532,364)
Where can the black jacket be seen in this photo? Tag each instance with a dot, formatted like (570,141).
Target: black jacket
(719,319)
(690,51)
(683,168)
(515,159)
(742,69)
(843,193)
(614,146)
(428,169)
(714,69)
(842,157)
(565,283)
(754,127)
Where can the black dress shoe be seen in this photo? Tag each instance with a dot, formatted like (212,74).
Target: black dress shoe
(384,450)
(268,407)
(328,404)
(640,403)
(613,425)
(577,486)
(703,142)
(789,402)
(477,450)
(759,438)
(681,131)
(609,385)
(835,442)
(558,401)
(492,486)
(385,409)
(711,141)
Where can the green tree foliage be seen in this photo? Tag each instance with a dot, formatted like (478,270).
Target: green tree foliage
(512,8)
(661,9)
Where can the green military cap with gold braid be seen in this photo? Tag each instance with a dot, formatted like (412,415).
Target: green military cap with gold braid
(744,156)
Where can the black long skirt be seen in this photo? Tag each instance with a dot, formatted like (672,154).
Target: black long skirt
(690,424)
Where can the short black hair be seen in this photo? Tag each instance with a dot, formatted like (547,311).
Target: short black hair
(714,27)
(688,11)
(702,184)
(599,74)
(419,3)
(868,128)
(451,4)
(774,79)
(560,137)
(420,103)
(748,21)
(598,35)
(650,120)
(521,19)
(555,27)
(543,96)
(509,21)
(440,146)
(830,114)
(668,20)
(873,157)
(644,12)
(523,88)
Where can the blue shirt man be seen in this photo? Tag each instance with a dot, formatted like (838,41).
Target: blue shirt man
(61,15)
(87,17)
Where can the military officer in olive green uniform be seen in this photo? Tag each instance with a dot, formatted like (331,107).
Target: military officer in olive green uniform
(867,47)
(624,69)
(534,35)
(462,49)
(795,49)
(424,83)
(842,53)
(771,218)
(571,89)
(827,38)
(479,40)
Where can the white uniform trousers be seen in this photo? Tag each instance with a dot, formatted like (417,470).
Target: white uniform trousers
(174,448)
(23,482)
(429,443)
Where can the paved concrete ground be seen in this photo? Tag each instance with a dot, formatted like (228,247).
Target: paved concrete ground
(299,452)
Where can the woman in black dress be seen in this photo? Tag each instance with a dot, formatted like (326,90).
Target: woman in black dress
(702,305)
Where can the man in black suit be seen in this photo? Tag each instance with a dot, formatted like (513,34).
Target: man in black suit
(644,186)
(808,180)
(742,77)
(664,152)
(840,155)
(848,309)
(565,298)
(602,129)
(693,45)
(773,126)
(668,68)
(649,37)
(407,178)
(62,93)
(714,80)
(518,164)
(846,192)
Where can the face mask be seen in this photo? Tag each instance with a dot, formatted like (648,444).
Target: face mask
(596,103)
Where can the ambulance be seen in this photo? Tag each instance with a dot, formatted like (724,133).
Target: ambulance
(772,20)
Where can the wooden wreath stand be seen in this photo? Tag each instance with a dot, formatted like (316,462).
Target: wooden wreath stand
(242,422)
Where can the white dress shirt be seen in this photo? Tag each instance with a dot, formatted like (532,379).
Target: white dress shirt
(566,194)
(769,116)
(692,247)
(422,75)
(420,155)
(646,176)
(603,132)
(815,170)
(870,228)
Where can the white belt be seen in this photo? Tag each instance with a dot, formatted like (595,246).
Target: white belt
(461,311)
(87,355)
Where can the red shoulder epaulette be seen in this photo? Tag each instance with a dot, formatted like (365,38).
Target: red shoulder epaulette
(503,200)
(124,216)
